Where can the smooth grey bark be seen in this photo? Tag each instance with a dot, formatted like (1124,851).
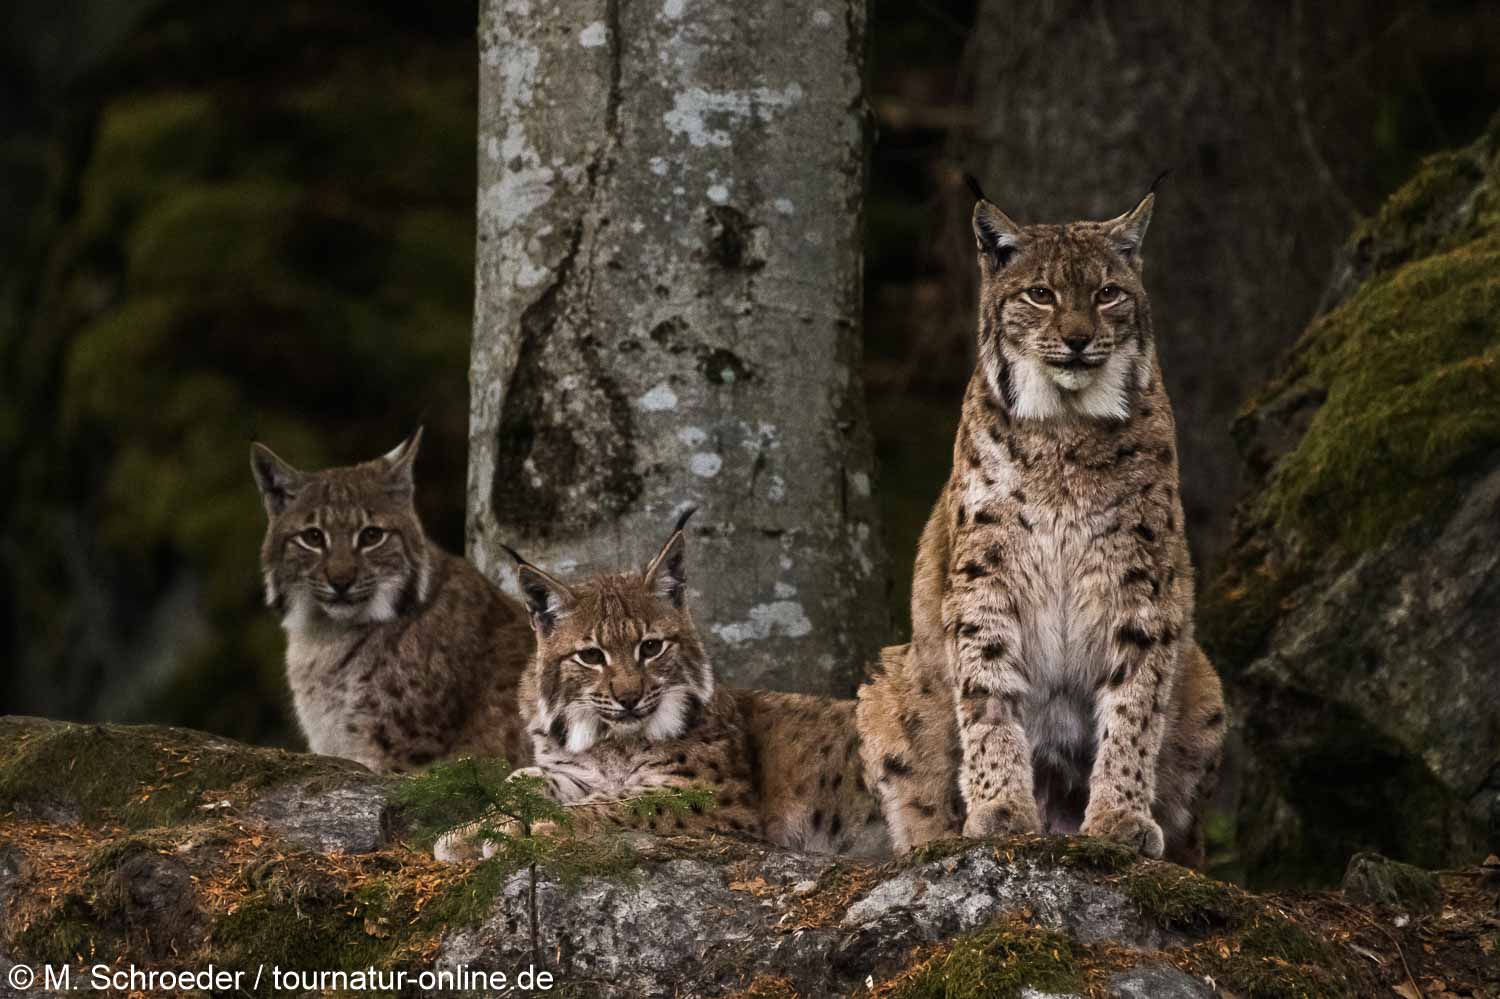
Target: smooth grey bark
(667,315)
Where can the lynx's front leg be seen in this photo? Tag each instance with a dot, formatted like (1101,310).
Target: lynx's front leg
(1131,718)
(995,769)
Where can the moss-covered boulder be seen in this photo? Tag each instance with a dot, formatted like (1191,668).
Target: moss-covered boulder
(1358,619)
(173,850)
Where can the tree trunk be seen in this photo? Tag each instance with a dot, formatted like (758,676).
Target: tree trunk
(1262,114)
(667,315)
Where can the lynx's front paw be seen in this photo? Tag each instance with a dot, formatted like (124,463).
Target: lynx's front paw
(459,844)
(463,843)
(1136,830)
(1002,818)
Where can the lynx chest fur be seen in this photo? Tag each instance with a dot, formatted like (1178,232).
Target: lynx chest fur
(1066,550)
(398,654)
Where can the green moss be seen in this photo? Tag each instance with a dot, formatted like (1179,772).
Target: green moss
(1274,958)
(1087,853)
(304,932)
(68,934)
(1183,900)
(997,962)
(1411,367)
(1252,949)
(140,776)
(1409,223)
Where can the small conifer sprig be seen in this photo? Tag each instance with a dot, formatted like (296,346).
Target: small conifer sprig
(464,790)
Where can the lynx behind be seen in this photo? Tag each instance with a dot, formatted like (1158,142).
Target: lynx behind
(398,653)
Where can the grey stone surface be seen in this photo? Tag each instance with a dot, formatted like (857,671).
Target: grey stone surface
(937,900)
(668,292)
(1159,982)
(1398,642)
(350,818)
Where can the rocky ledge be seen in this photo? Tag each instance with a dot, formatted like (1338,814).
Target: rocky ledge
(168,849)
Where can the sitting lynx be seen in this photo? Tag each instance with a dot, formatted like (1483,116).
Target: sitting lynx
(398,653)
(1052,681)
(621,699)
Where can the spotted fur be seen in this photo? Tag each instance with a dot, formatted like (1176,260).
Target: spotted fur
(1053,681)
(621,700)
(398,654)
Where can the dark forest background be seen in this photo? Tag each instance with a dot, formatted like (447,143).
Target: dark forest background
(227,221)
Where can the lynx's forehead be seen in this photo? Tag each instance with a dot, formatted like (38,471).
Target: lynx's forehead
(618,608)
(352,491)
(1077,253)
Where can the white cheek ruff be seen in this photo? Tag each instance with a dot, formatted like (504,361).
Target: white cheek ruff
(670,716)
(299,611)
(382,604)
(583,728)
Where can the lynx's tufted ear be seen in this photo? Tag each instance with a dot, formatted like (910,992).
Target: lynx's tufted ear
(278,482)
(399,461)
(548,601)
(1129,230)
(994,233)
(667,573)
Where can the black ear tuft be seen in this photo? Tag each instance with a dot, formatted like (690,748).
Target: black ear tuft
(1157,182)
(995,234)
(547,600)
(277,481)
(687,515)
(973,185)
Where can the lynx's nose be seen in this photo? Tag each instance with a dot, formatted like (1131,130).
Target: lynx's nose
(1078,342)
(341,582)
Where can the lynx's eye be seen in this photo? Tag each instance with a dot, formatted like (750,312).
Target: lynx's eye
(1108,294)
(651,648)
(1040,295)
(311,538)
(590,656)
(371,536)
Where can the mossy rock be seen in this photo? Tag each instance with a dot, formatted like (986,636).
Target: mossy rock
(1004,960)
(1380,880)
(1349,619)
(1384,409)
(140,777)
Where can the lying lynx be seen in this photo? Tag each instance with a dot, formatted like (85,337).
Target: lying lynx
(398,653)
(1053,682)
(621,700)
